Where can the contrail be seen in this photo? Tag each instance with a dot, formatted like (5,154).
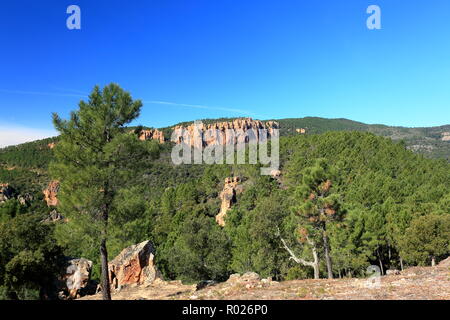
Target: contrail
(196,106)
(41,93)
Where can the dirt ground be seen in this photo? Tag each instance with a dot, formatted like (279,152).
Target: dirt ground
(417,283)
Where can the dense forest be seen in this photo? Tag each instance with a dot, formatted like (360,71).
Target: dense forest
(346,199)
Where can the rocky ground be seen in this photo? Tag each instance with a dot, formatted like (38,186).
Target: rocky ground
(415,283)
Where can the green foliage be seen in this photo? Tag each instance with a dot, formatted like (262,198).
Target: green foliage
(427,238)
(254,228)
(30,258)
(201,251)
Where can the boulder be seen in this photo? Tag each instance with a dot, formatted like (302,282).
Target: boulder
(203,284)
(76,277)
(246,277)
(445,263)
(134,266)
(392,272)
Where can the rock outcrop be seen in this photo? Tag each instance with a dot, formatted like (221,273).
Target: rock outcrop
(51,145)
(6,192)
(76,278)
(445,136)
(25,199)
(51,192)
(134,266)
(445,263)
(54,216)
(301,130)
(152,134)
(228,197)
(241,130)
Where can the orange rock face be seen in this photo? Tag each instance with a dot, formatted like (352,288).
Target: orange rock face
(224,133)
(153,134)
(228,197)
(51,192)
(51,145)
(134,266)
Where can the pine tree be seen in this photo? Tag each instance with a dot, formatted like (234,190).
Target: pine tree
(93,159)
(317,206)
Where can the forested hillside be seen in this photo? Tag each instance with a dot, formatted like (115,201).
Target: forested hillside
(350,197)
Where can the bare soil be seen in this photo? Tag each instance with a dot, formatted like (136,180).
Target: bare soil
(416,283)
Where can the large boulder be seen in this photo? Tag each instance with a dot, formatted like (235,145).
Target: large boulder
(134,266)
(76,277)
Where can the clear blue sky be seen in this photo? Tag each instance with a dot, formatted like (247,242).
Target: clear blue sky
(266,59)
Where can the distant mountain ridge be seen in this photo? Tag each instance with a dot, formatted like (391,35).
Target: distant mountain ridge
(433,142)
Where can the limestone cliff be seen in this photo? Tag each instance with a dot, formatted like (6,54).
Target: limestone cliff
(152,134)
(241,130)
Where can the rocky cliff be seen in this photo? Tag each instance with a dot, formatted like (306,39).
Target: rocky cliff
(224,133)
(51,192)
(228,197)
(152,134)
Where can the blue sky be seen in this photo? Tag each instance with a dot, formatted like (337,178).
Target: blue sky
(206,59)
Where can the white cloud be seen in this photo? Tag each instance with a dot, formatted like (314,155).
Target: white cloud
(13,135)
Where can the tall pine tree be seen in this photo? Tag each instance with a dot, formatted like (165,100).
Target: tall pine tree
(95,157)
(317,206)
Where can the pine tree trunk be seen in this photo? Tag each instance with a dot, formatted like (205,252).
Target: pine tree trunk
(433,261)
(381,262)
(106,290)
(401,263)
(327,256)
(381,266)
(316,264)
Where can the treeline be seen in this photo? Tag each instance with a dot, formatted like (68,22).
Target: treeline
(36,154)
